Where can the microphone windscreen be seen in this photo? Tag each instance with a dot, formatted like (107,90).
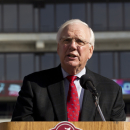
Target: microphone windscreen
(84,79)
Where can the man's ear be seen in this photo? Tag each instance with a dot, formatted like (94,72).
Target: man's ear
(90,51)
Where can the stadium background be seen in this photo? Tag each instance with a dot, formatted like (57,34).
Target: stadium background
(28,41)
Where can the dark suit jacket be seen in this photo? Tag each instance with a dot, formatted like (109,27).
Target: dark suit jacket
(42,98)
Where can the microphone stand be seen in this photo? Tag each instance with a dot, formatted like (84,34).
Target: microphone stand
(98,107)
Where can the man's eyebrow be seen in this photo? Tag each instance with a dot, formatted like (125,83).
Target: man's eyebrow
(64,37)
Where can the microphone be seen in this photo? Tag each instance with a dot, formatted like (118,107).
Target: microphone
(87,83)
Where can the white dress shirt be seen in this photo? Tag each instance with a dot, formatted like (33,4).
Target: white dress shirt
(80,90)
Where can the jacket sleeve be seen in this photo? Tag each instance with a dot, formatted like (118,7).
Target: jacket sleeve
(24,106)
(118,113)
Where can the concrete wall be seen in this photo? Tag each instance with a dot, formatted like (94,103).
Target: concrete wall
(44,42)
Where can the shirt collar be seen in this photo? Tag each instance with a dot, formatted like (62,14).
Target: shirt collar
(82,72)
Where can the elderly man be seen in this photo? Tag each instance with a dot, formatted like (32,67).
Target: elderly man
(56,94)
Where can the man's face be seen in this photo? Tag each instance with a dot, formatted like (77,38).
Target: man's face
(74,55)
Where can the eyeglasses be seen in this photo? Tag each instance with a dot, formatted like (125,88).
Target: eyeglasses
(79,42)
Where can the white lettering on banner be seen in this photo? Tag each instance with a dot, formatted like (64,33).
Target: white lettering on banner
(126,86)
(14,89)
(2,85)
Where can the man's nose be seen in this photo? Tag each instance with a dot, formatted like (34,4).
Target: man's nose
(73,44)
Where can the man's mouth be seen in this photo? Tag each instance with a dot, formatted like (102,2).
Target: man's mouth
(71,55)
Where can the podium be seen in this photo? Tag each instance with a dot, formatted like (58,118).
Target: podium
(50,125)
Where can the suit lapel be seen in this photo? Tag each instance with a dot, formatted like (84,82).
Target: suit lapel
(57,94)
(88,106)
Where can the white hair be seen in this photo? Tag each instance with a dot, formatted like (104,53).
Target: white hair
(92,37)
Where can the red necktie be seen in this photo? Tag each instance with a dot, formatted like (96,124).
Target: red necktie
(73,106)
